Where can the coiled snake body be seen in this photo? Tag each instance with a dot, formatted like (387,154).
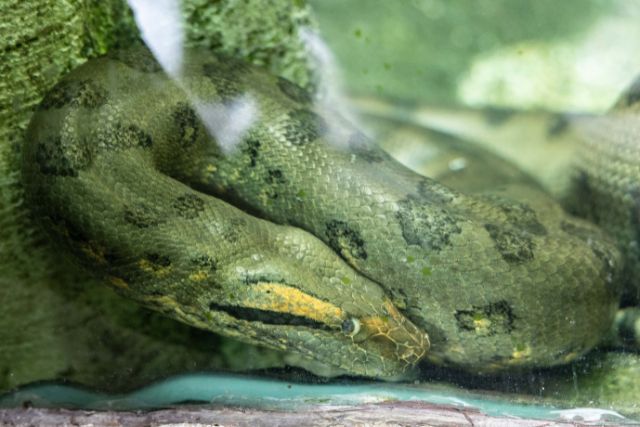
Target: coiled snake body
(119,164)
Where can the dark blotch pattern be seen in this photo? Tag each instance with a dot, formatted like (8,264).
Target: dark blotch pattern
(488,320)
(252,149)
(119,263)
(158,261)
(521,215)
(293,91)
(430,191)
(304,126)
(139,59)
(632,94)
(426,225)
(364,149)
(345,240)
(593,239)
(125,136)
(515,245)
(576,230)
(557,125)
(188,206)
(75,93)
(58,159)
(231,232)
(584,197)
(205,262)
(498,116)
(274,178)
(227,90)
(187,123)
(141,216)
(66,228)
(224,76)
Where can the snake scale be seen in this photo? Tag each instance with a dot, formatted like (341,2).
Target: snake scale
(306,237)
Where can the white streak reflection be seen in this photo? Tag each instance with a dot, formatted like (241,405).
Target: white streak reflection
(162,29)
(160,24)
(330,98)
(228,123)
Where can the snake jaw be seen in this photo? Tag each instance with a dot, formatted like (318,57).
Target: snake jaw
(401,338)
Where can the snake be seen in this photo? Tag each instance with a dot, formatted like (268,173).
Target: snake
(303,235)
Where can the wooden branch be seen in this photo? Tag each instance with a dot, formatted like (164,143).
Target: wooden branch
(389,413)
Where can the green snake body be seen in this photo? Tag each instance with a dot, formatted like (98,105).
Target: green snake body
(590,163)
(605,187)
(120,165)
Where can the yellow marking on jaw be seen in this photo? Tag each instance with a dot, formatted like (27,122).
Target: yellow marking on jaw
(481,325)
(520,353)
(199,276)
(157,270)
(94,252)
(456,349)
(118,282)
(287,299)
(168,302)
(164,301)
(495,366)
(211,168)
(264,198)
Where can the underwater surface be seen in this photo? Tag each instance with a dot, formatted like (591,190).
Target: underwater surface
(519,111)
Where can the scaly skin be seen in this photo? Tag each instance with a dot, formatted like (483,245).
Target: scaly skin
(591,163)
(605,185)
(98,172)
(497,280)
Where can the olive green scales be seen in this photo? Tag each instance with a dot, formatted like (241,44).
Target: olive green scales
(496,280)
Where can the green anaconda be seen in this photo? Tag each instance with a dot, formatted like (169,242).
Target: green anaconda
(333,250)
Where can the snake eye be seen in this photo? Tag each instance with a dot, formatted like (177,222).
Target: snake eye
(351,327)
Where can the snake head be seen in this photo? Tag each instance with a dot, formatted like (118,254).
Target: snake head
(338,319)
(393,333)
(372,339)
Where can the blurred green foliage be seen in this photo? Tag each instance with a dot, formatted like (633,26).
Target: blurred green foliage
(418,49)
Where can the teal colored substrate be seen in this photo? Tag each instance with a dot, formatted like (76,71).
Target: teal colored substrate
(235,390)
